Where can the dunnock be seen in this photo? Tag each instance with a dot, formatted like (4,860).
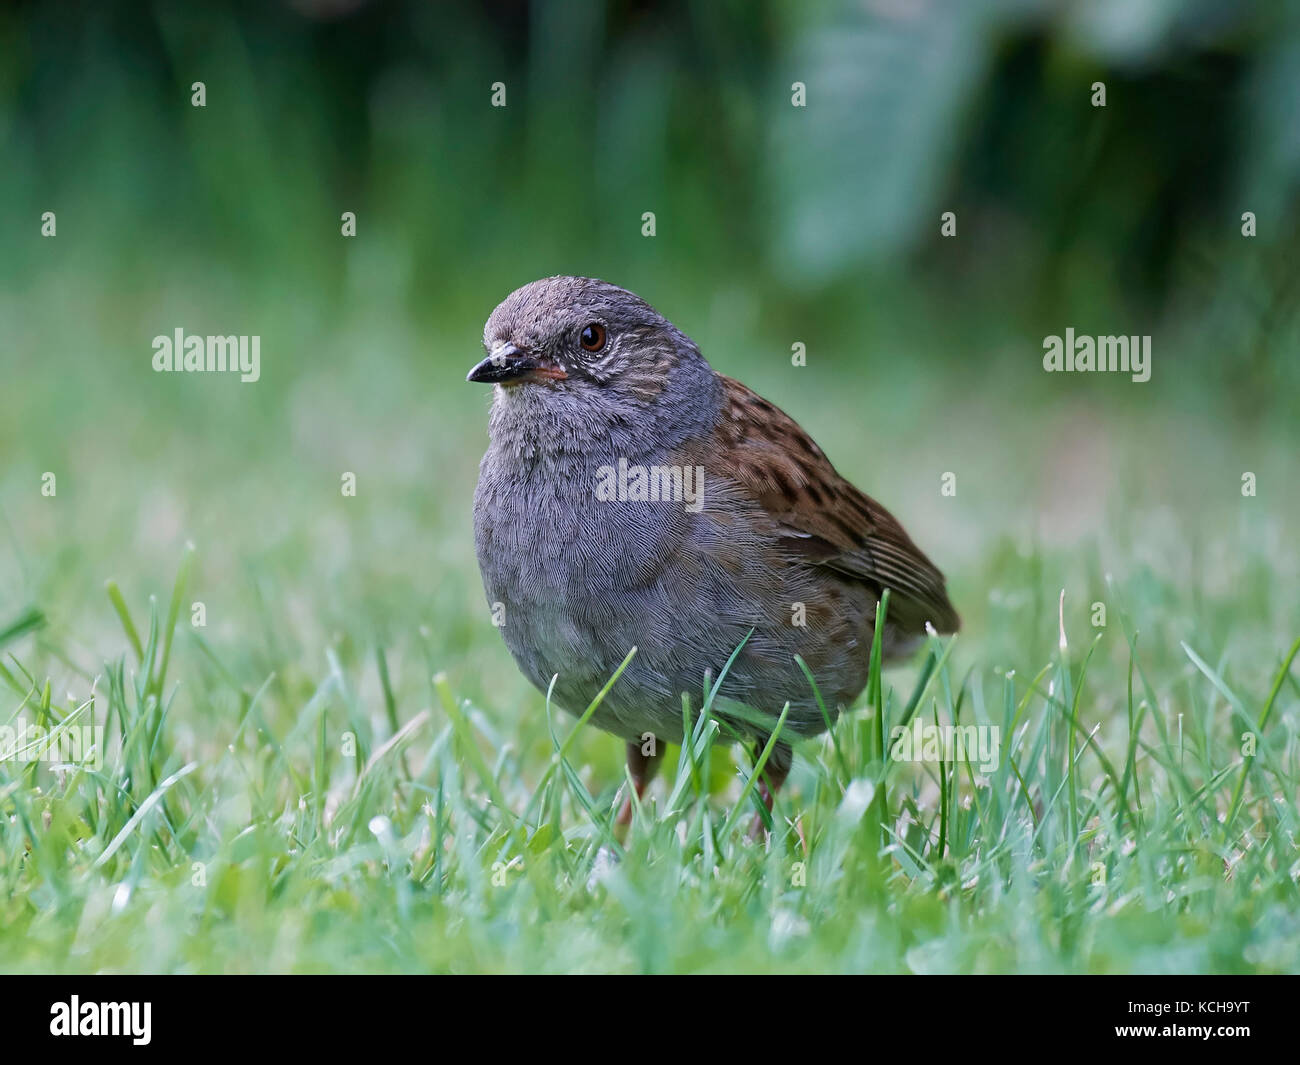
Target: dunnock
(633,496)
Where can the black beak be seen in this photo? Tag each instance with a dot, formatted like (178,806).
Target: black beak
(510,363)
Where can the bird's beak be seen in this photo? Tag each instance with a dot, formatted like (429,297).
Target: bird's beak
(509,364)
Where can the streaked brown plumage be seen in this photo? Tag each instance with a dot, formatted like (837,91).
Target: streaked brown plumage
(588,375)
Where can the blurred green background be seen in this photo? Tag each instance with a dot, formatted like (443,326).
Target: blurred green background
(775,225)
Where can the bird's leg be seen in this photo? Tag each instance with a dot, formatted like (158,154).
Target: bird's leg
(642,768)
(769,783)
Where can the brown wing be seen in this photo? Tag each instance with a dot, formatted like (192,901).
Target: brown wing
(826,520)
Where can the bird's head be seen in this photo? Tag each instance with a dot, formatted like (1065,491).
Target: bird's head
(586,358)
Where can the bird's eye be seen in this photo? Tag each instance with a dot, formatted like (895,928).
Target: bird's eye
(593,337)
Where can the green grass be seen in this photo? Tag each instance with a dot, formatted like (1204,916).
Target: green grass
(364,817)
(343,770)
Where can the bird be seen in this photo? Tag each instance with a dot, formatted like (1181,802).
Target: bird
(631,496)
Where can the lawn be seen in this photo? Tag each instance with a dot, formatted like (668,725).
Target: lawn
(318,755)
